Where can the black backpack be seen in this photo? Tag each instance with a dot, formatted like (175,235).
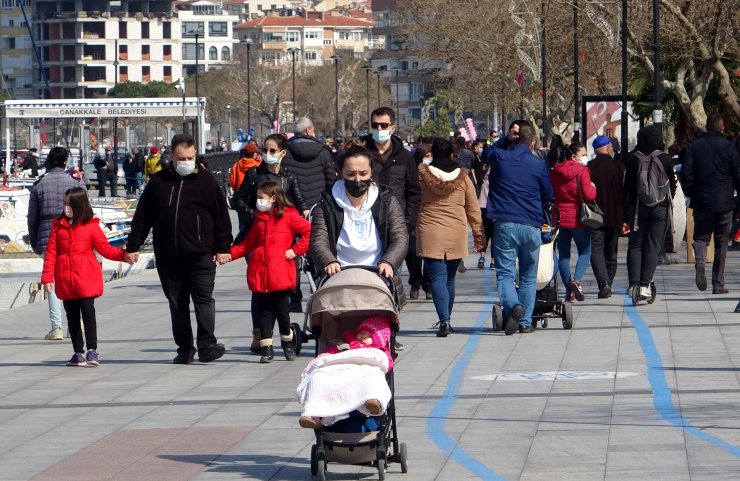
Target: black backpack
(652,181)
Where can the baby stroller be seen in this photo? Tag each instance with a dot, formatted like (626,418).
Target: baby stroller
(341,303)
(546,304)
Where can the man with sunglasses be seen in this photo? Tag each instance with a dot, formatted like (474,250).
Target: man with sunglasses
(394,167)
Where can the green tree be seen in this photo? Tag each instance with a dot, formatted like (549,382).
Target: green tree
(141,90)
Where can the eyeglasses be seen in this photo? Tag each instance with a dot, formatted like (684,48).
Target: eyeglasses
(380,125)
(265,150)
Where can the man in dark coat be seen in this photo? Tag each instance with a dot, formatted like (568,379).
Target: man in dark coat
(31,162)
(311,162)
(187,210)
(45,204)
(710,173)
(607,174)
(395,168)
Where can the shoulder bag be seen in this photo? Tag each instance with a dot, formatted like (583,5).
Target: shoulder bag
(589,214)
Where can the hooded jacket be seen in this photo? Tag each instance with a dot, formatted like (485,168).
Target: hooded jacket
(448,204)
(312,163)
(188,215)
(268,270)
(710,171)
(239,170)
(565,177)
(46,203)
(399,173)
(70,262)
(649,139)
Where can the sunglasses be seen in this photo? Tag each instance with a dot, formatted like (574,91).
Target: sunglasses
(270,151)
(380,125)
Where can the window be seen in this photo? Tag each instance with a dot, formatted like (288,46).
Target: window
(292,36)
(327,42)
(310,55)
(213,53)
(146,74)
(8,43)
(218,29)
(312,34)
(167,70)
(270,57)
(167,30)
(225,54)
(167,52)
(123,52)
(122,30)
(123,73)
(343,35)
(144,29)
(189,29)
(272,37)
(145,52)
(188,51)
(357,36)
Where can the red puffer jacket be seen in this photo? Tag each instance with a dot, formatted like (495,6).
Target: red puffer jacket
(563,177)
(268,239)
(70,262)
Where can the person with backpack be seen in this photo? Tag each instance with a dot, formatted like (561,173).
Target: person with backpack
(649,194)
(710,174)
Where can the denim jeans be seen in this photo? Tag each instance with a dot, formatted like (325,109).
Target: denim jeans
(55,308)
(512,241)
(583,244)
(442,274)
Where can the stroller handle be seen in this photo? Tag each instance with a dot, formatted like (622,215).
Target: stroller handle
(386,279)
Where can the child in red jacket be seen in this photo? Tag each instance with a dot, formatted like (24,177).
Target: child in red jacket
(271,272)
(73,271)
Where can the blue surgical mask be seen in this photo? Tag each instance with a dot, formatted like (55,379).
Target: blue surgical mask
(381,136)
(272,159)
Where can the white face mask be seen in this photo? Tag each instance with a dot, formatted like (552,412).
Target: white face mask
(68,211)
(264,205)
(583,160)
(427,160)
(381,136)
(184,167)
(272,159)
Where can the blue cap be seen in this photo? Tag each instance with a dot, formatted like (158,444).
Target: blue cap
(601,141)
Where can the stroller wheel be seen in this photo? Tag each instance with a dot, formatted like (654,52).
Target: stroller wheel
(497,316)
(402,458)
(314,461)
(567,316)
(544,324)
(297,338)
(321,472)
(381,469)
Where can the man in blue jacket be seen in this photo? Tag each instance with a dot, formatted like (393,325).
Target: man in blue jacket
(519,186)
(710,173)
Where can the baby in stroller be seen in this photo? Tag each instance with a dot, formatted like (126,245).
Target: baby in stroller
(348,376)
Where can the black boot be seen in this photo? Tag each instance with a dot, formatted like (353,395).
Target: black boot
(604,290)
(288,350)
(444,329)
(267,354)
(414,294)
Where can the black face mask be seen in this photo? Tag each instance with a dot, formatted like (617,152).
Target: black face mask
(357,188)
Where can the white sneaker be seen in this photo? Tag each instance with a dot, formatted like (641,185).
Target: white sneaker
(55,335)
(645,292)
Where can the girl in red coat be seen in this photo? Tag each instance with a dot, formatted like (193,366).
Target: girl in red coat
(565,178)
(73,271)
(271,273)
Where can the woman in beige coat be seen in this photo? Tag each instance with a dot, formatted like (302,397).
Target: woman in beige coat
(448,204)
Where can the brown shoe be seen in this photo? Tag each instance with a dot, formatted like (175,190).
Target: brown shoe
(373,407)
(720,290)
(309,423)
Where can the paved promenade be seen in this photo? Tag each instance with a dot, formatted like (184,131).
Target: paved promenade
(651,393)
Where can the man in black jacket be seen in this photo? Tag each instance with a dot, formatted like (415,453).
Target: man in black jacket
(187,211)
(710,172)
(311,162)
(395,168)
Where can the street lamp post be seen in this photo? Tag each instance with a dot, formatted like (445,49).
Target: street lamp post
(421,112)
(398,106)
(115,119)
(336,57)
(576,103)
(293,51)
(197,93)
(657,105)
(624,133)
(367,68)
(248,42)
(378,74)
(544,78)
(228,109)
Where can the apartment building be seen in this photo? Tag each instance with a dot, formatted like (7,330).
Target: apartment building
(156,40)
(316,36)
(16,51)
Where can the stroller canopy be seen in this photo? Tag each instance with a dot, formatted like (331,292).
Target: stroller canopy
(356,291)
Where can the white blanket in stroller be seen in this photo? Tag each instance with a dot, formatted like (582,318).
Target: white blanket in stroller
(334,385)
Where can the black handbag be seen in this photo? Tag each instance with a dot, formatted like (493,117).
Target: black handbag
(590,214)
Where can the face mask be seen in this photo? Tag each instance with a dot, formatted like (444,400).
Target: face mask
(264,205)
(68,211)
(427,160)
(357,188)
(583,160)
(184,167)
(381,136)
(272,159)
(479,150)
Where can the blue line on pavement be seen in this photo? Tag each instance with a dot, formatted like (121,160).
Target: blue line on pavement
(662,395)
(436,424)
